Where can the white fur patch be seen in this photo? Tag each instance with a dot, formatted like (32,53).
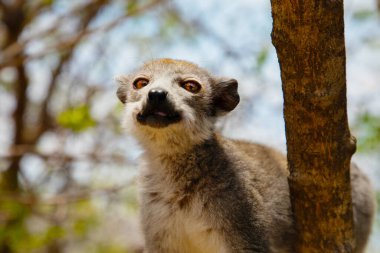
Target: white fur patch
(187,229)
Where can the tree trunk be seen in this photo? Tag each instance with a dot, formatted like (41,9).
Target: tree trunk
(309,39)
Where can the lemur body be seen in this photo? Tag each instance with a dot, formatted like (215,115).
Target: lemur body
(201,192)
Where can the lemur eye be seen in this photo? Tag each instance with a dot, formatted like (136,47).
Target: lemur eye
(140,83)
(191,86)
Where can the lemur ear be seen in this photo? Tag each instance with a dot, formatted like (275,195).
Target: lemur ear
(122,89)
(226,96)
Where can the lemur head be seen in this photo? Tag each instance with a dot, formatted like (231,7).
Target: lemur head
(173,104)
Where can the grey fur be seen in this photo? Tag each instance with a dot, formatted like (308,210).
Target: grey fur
(201,192)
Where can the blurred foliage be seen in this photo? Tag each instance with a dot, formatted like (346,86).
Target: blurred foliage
(77,119)
(15,213)
(364,14)
(261,58)
(132,6)
(36,227)
(368,127)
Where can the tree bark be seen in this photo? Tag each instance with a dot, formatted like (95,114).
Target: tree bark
(309,39)
(13,18)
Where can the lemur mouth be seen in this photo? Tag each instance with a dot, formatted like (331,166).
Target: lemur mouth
(158,116)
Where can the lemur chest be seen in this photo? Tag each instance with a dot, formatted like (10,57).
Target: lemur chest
(178,219)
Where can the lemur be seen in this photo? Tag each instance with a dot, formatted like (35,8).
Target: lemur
(202,192)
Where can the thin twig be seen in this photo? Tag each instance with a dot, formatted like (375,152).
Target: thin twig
(20,150)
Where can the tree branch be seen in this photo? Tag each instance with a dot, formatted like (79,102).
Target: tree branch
(11,53)
(309,41)
(65,57)
(18,151)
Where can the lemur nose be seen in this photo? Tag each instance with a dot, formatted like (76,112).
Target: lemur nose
(157,95)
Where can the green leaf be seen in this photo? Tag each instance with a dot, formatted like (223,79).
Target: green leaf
(86,218)
(82,225)
(170,22)
(54,232)
(262,57)
(363,14)
(47,2)
(369,132)
(110,248)
(132,6)
(77,119)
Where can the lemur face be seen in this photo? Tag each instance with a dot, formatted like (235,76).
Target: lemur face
(170,95)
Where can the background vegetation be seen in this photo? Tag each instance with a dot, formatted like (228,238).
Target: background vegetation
(67,179)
